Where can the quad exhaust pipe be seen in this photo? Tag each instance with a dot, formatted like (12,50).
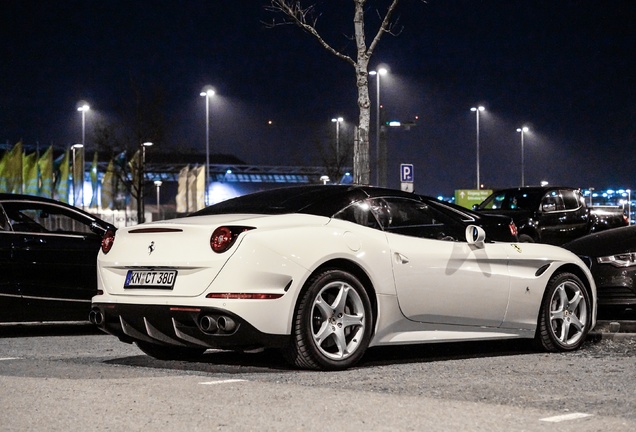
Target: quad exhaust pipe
(96,317)
(226,324)
(211,324)
(208,324)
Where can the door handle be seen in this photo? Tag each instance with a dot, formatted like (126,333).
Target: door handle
(38,240)
(400,259)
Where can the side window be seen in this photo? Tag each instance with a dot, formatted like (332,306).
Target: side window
(37,217)
(552,202)
(496,202)
(571,199)
(413,218)
(358,213)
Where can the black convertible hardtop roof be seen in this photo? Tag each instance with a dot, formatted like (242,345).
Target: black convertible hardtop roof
(321,200)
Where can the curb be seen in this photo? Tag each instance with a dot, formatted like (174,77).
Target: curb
(614,330)
(611,336)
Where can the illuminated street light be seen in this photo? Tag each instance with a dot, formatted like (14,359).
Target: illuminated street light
(381,71)
(337,121)
(477,110)
(523,130)
(140,199)
(207,92)
(158,184)
(75,194)
(83,107)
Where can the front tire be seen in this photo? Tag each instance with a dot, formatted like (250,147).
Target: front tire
(566,314)
(333,322)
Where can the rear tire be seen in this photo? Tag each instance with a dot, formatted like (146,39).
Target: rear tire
(565,315)
(164,352)
(333,323)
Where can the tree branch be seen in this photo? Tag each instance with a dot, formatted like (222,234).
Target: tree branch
(305,19)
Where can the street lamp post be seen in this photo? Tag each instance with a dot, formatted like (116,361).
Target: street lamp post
(74,177)
(140,198)
(381,71)
(337,121)
(477,110)
(522,130)
(207,92)
(158,184)
(83,108)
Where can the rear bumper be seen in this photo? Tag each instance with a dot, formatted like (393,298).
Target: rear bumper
(181,326)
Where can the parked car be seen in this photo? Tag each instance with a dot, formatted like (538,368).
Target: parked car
(48,259)
(323,272)
(611,256)
(553,215)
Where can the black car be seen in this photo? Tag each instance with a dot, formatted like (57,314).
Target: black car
(549,214)
(48,259)
(611,256)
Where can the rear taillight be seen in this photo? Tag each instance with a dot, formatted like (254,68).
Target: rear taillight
(224,237)
(107,241)
(513,229)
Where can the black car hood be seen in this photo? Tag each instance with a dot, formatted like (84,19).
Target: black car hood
(609,242)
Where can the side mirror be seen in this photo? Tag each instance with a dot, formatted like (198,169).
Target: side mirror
(475,236)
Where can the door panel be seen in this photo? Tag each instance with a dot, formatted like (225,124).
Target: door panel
(450,282)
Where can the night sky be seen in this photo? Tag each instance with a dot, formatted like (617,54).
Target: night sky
(566,69)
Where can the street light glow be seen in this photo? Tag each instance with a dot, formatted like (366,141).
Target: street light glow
(381,71)
(522,130)
(207,92)
(477,110)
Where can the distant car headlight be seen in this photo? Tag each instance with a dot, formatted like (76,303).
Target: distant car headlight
(619,260)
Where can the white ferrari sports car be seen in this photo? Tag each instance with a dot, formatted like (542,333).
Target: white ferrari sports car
(324,272)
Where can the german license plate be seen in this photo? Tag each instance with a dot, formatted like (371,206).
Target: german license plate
(163,279)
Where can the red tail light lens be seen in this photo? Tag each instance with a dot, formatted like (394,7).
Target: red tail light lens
(224,237)
(107,241)
(513,229)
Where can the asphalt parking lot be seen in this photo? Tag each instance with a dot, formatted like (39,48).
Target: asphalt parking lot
(76,378)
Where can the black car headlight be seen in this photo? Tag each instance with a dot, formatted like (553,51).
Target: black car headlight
(619,260)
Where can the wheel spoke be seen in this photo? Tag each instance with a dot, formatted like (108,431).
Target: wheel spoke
(325,309)
(323,332)
(349,320)
(576,299)
(576,323)
(340,301)
(565,331)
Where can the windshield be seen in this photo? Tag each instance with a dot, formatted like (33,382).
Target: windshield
(512,200)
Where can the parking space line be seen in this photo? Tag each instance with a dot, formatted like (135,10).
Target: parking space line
(227,381)
(565,417)
(9,358)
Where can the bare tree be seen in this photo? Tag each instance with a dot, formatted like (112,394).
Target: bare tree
(306,18)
